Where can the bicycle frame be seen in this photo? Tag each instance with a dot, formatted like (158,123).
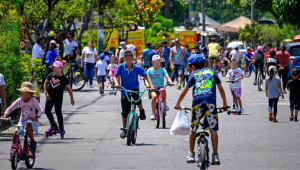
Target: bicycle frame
(159,100)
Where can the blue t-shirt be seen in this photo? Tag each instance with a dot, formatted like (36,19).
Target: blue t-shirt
(150,55)
(145,54)
(166,53)
(249,56)
(204,81)
(129,79)
(50,56)
(187,55)
(157,77)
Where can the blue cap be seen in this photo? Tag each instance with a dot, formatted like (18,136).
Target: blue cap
(102,55)
(199,42)
(196,58)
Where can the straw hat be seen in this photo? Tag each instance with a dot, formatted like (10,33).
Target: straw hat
(26,87)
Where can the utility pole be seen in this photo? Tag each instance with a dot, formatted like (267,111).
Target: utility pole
(100,29)
(167,9)
(252,19)
(203,21)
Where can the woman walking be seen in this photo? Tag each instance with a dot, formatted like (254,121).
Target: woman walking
(88,61)
(284,57)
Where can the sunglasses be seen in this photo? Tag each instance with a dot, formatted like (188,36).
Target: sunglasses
(69,37)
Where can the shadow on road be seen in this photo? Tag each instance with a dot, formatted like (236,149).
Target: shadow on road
(144,144)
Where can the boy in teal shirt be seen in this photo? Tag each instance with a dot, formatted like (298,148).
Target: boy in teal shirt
(157,75)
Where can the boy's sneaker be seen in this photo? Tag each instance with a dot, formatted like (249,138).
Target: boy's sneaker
(215,159)
(166,106)
(179,86)
(292,118)
(190,158)
(275,120)
(255,83)
(296,119)
(153,117)
(32,144)
(123,134)
(142,114)
(271,116)
(242,110)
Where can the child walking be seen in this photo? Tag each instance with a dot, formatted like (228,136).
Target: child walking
(236,74)
(112,67)
(273,91)
(101,69)
(28,105)
(157,76)
(54,90)
(293,86)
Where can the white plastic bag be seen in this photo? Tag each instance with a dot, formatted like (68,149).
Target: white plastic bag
(181,125)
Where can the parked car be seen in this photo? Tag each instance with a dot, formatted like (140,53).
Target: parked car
(296,38)
(286,42)
(294,50)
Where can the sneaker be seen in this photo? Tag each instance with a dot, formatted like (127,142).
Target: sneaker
(166,106)
(123,134)
(215,159)
(271,116)
(296,119)
(179,86)
(242,110)
(142,115)
(153,117)
(190,158)
(275,120)
(237,109)
(284,92)
(33,144)
(91,86)
(102,94)
(292,118)
(255,83)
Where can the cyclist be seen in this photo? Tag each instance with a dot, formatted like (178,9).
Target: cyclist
(51,57)
(157,75)
(28,105)
(258,61)
(144,57)
(213,50)
(129,47)
(204,82)
(248,59)
(177,55)
(117,53)
(51,36)
(129,80)
(70,48)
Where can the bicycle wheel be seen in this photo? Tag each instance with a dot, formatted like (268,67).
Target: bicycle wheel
(78,80)
(30,159)
(163,115)
(248,72)
(259,81)
(202,155)
(157,121)
(129,129)
(14,159)
(224,72)
(134,134)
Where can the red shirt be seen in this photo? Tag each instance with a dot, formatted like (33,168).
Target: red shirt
(269,52)
(283,57)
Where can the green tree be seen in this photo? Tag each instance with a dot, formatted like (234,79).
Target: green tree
(288,11)
(252,32)
(177,11)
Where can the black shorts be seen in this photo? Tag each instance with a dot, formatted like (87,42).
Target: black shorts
(167,67)
(294,104)
(67,58)
(126,105)
(146,68)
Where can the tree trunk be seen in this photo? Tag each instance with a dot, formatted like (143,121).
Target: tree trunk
(50,7)
(280,24)
(29,37)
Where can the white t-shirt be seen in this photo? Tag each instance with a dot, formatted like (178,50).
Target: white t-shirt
(2,83)
(69,46)
(37,52)
(130,47)
(89,55)
(101,65)
(235,55)
(234,74)
(112,66)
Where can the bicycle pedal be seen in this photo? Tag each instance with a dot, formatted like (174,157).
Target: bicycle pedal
(190,161)
(216,163)
(124,129)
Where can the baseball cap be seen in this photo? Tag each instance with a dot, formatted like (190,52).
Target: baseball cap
(176,40)
(57,64)
(272,68)
(52,42)
(295,72)
(155,57)
(122,44)
(102,55)
(248,48)
(108,52)
(195,58)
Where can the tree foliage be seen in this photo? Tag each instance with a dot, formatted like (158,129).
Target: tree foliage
(250,32)
(177,11)
(288,11)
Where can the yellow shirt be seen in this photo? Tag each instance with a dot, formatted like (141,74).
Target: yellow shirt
(213,49)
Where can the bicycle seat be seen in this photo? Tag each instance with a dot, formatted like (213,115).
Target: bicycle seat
(202,133)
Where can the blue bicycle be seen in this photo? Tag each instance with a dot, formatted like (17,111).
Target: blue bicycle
(249,70)
(132,124)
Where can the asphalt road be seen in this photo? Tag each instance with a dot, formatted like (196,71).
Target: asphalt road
(247,141)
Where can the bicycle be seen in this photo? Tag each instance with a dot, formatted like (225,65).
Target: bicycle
(17,153)
(161,112)
(225,70)
(112,84)
(249,70)
(132,123)
(260,81)
(76,76)
(216,66)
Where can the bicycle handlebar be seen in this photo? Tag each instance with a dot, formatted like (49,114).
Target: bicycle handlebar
(231,81)
(9,119)
(164,86)
(130,91)
(220,110)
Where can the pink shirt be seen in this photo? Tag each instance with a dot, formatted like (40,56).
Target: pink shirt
(283,57)
(28,109)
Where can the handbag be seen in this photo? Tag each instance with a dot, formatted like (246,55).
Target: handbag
(89,64)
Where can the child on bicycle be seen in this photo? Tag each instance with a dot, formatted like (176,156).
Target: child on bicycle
(204,82)
(293,86)
(54,90)
(248,59)
(273,91)
(28,105)
(112,67)
(157,75)
(101,69)
(236,74)
(129,73)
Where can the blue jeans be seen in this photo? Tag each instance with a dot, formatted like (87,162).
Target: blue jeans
(89,73)
(58,105)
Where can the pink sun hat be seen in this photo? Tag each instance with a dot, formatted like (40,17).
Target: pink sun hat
(57,64)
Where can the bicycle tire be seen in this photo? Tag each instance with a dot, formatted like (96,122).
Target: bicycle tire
(202,155)
(163,115)
(129,129)
(27,160)
(157,121)
(82,75)
(259,81)
(134,135)
(224,72)
(14,159)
